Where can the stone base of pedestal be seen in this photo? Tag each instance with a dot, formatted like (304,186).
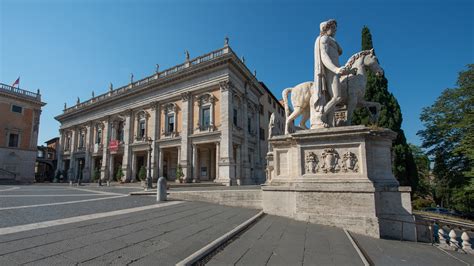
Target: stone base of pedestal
(340,177)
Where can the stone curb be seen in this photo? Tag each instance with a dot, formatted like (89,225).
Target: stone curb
(216,243)
(363,256)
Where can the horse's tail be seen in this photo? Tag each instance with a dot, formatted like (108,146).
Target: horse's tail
(285,100)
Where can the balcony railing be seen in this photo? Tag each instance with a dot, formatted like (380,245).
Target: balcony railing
(176,69)
(20,92)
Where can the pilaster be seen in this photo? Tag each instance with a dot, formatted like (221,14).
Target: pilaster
(186,127)
(104,175)
(226,168)
(127,139)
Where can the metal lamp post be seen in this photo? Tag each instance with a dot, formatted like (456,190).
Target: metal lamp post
(149,179)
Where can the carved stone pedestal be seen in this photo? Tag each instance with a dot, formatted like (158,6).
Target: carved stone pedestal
(341,177)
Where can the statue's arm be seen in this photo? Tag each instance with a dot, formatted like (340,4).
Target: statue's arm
(325,56)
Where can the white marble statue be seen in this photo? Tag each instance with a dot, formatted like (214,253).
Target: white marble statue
(332,85)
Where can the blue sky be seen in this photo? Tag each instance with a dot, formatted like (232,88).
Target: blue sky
(70,48)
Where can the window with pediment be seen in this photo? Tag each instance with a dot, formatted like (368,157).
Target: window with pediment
(237,104)
(82,139)
(170,112)
(206,112)
(142,124)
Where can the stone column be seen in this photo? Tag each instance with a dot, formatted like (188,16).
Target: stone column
(238,165)
(127,139)
(187,115)
(245,164)
(104,175)
(226,169)
(154,124)
(111,168)
(133,167)
(59,153)
(217,161)
(160,164)
(195,164)
(72,160)
(87,159)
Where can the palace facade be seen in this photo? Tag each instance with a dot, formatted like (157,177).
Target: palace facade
(207,118)
(19,128)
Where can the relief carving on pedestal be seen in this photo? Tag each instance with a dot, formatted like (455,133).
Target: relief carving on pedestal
(350,163)
(330,159)
(312,163)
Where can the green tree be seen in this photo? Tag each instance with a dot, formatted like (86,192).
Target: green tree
(119,174)
(142,173)
(404,167)
(449,137)
(422,162)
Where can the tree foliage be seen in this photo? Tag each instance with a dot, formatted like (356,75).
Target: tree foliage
(404,167)
(449,137)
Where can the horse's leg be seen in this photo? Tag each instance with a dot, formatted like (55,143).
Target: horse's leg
(291,118)
(351,106)
(305,117)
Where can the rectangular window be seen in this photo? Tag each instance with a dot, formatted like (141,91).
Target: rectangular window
(262,134)
(120,131)
(141,129)
(13,140)
(81,139)
(99,136)
(274,106)
(249,125)
(17,109)
(269,99)
(261,109)
(206,117)
(170,123)
(235,117)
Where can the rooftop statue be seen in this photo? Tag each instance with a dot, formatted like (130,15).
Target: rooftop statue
(316,100)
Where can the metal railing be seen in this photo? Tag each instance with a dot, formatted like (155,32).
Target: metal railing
(159,75)
(20,92)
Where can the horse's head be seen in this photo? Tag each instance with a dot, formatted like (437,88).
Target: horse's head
(372,63)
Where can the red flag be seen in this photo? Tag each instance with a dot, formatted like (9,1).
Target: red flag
(17,82)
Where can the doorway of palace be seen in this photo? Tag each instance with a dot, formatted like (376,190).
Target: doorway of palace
(117,165)
(170,163)
(206,161)
(97,161)
(65,170)
(140,161)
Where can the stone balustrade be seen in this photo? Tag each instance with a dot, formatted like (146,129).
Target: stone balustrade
(165,73)
(450,241)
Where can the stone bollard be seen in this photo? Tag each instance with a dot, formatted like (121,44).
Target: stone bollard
(466,243)
(161,189)
(453,243)
(442,239)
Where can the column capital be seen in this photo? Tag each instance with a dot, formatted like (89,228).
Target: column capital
(185,96)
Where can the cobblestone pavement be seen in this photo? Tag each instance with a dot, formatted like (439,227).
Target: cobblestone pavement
(159,235)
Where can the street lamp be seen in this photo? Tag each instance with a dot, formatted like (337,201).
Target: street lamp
(149,179)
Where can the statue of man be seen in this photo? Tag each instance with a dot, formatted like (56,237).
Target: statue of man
(326,75)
